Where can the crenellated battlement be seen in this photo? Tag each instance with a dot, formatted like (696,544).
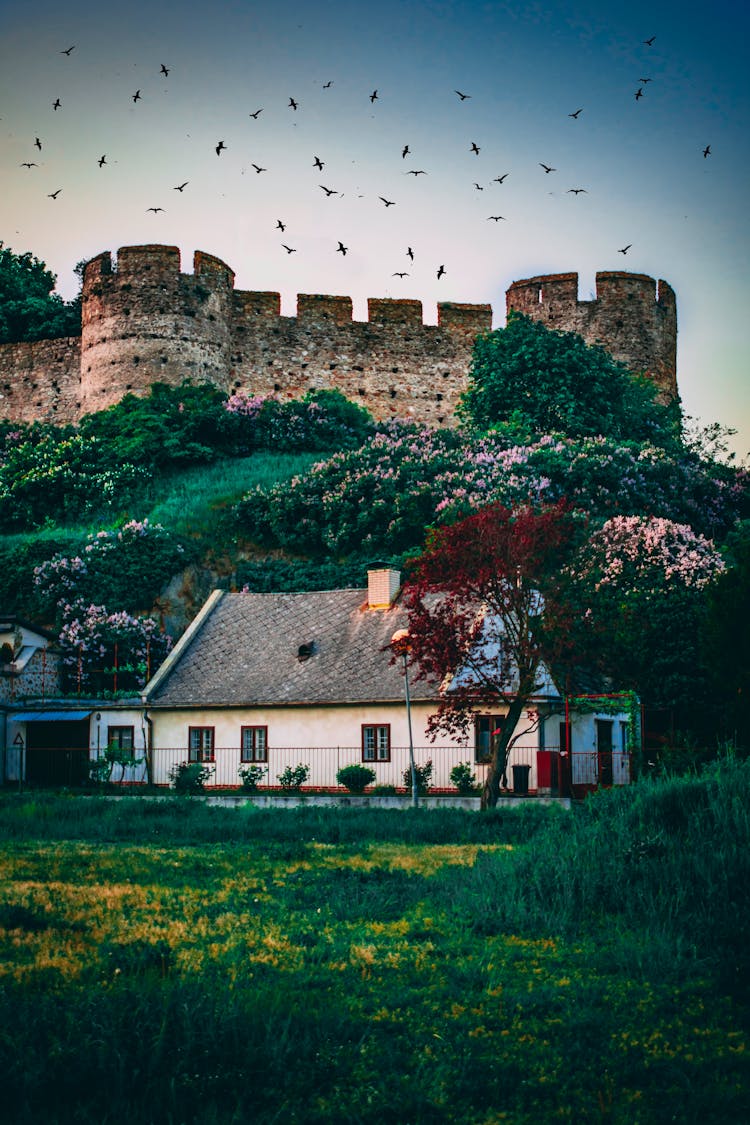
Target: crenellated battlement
(145,321)
(633,316)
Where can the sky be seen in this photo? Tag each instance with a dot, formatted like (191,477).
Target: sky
(368,81)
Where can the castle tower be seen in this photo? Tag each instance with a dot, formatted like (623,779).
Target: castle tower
(144,322)
(633,316)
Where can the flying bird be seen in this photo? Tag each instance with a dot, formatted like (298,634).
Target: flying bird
(495,218)
(576,190)
(644,80)
(499,179)
(28,164)
(388,202)
(102,160)
(475,148)
(416,172)
(463,97)
(547,167)
(397,274)
(54,194)
(137,96)
(625,248)
(219,148)
(639,93)
(318,163)
(341,249)
(38,143)
(56,104)
(289,249)
(329,191)
(155,209)
(258,168)
(374,96)
(67,52)
(327,85)
(410,253)
(575,115)
(293,104)
(164,70)
(649,42)
(706,151)
(280,226)
(181,187)
(405,151)
(479,187)
(440,272)
(256,114)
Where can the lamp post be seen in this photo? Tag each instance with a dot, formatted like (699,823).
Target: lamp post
(400,642)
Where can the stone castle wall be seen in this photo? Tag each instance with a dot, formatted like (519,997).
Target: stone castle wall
(144,321)
(632,316)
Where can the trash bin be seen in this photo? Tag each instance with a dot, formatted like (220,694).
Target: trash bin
(521,780)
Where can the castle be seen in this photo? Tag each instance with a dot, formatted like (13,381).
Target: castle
(145,321)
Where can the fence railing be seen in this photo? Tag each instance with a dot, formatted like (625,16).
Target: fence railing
(528,768)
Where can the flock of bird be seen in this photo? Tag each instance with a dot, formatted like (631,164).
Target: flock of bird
(318,164)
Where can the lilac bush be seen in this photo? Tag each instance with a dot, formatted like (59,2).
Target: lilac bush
(125,566)
(105,652)
(382,496)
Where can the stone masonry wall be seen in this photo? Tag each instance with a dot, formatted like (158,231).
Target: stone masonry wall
(632,316)
(41,381)
(145,321)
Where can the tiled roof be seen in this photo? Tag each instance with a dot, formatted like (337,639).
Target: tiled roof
(247,651)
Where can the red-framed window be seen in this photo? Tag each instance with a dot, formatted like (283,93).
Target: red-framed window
(254,744)
(121,737)
(201,744)
(376,742)
(486,727)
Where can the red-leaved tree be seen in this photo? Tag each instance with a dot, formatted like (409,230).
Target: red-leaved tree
(488,611)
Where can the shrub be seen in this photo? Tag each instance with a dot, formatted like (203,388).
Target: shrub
(294,777)
(102,769)
(251,776)
(464,779)
(355,778)
(190,777)
(125,566)
(423,775)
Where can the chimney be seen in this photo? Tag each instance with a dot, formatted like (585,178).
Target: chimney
(382,587)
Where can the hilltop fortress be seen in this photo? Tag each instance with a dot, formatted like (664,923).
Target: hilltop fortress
(144,321)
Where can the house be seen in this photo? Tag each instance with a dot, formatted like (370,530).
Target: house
(51,739)
(285,679)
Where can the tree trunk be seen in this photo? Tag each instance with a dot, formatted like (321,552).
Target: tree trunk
(499,762)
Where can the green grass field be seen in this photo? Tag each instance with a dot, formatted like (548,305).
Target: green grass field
(164,961)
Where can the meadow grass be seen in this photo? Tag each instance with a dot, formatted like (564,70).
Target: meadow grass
(421,966)
(189,501)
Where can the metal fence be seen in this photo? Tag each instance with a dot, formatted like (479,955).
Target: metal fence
(528,769)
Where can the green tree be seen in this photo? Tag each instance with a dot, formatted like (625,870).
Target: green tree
(536,380)
(29,307)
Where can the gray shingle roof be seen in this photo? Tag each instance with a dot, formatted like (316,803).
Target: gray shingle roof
(246,652)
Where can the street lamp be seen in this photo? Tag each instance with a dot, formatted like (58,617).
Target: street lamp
(400,642)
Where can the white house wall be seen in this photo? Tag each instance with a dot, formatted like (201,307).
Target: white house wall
(325,739)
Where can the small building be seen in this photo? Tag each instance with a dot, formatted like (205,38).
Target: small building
(281,680)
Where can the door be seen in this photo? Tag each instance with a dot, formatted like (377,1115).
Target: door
(57,752)
(604,750)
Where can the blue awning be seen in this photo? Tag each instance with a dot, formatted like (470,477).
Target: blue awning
(48,716)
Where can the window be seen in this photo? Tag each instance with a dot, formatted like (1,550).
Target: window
(201,744)
(121,738)
(376,743)
(485,726)
(254,744)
